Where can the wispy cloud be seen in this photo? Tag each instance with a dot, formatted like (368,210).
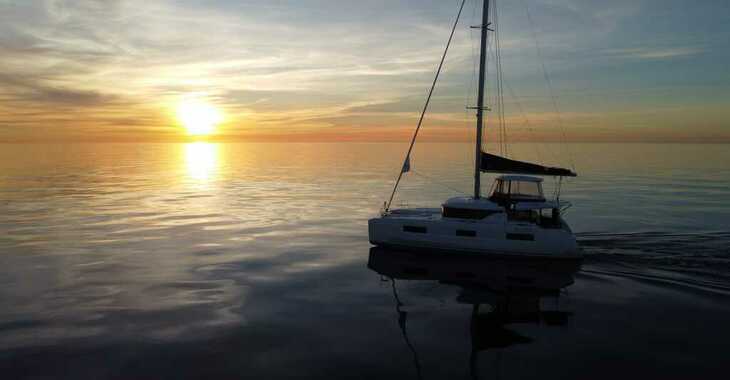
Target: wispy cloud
(309,64)
(655,53)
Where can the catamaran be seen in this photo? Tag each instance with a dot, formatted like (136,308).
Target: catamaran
(513,219)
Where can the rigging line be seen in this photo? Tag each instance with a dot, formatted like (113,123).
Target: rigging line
(485,141)
(495,100)
(435,182)
(492,97)
(501,92)
(498,101)
(526,121)
(496,83)
(548,82)
(473,80)
(425,107)
(402,323)
(473,58)
(500,81)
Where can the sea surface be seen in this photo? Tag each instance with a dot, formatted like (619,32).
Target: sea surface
(251,260)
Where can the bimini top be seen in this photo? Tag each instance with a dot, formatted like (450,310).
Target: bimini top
(522,178)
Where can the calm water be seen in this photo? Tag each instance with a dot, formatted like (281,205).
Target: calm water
(251,261)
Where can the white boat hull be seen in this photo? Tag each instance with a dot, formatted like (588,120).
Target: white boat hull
(426,229)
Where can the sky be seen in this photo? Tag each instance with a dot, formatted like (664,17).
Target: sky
(351,70)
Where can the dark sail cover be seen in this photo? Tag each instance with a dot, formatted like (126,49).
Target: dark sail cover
(496,164)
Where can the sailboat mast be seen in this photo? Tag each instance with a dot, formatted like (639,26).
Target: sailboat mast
(480,100)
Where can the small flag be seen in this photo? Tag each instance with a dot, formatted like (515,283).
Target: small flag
(406,165)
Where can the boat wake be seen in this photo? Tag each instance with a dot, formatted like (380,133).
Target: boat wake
(658,244)
(700,261)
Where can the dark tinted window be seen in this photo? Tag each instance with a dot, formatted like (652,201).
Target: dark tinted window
(463,213)
(526,237)
(415,229)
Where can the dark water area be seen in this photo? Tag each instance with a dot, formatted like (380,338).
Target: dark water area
(252,261)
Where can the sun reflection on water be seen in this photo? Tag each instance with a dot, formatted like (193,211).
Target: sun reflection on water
(202,160)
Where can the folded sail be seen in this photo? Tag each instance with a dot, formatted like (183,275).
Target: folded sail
(496,164)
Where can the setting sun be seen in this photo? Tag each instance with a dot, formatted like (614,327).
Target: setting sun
(199,118)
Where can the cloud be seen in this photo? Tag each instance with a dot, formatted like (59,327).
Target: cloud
(313,64)
(34,91)
(654,53)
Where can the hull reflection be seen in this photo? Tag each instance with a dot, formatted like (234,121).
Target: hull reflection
(496,274)
(501,292)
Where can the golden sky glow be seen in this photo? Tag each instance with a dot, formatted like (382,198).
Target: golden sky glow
(124,70)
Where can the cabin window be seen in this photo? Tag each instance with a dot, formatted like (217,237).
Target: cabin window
(465,213)
(524,237)
(415,229)
(531,216)
(506,191)
(466,233)
(525,189)
(550,218)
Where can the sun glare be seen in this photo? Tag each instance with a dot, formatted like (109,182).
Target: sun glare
(201,159)
(199,118)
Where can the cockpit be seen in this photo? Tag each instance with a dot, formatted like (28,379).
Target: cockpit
(518,197)
(524,201)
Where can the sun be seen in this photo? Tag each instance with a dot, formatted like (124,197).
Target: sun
(198,117)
